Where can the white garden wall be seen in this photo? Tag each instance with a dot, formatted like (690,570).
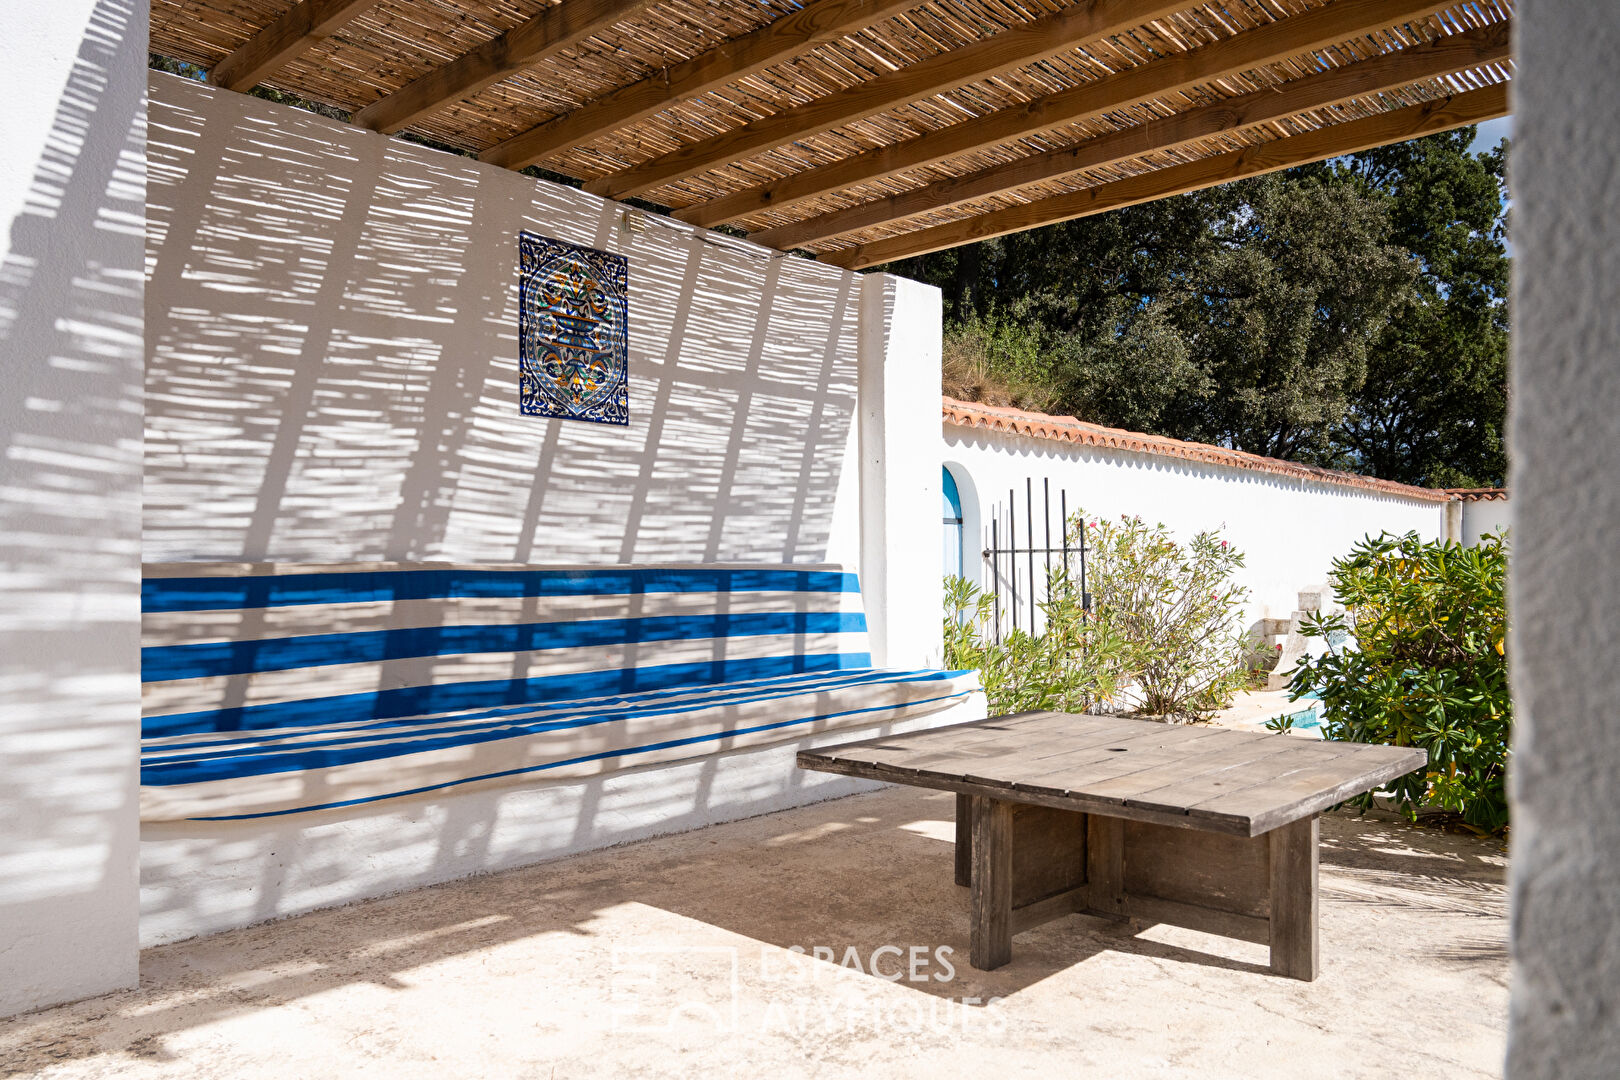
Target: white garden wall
(74,82)
(332,376)
(1481,517)
(1289,530)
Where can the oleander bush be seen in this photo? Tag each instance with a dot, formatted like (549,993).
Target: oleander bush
(1071,666)
(1159,638)
(1428,668)
(1178,610)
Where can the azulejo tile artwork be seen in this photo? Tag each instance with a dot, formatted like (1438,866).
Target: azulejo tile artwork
(573,331)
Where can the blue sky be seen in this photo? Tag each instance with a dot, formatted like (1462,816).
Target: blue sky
(1491,132)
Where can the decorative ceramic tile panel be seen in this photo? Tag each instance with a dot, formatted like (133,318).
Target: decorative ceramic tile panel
(573,331)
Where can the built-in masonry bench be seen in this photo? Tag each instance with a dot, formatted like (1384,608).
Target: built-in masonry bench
(274,688)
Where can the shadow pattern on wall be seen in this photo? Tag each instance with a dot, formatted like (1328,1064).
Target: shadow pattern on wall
(332,376)
(332,364)
(70,333)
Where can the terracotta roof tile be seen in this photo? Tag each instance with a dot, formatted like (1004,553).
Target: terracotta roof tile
(1478,494)
(1070,430)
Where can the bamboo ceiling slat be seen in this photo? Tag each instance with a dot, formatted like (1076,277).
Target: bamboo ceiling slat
(1214,146)
(1393,125)
(203,33)
(964,165)
(971,98)
(393,43)
(819,22)
(921,78)
(1450,57)
(553,31)
(1167,78)
(297,31)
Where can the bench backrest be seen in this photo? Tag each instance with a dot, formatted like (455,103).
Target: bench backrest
(233,646)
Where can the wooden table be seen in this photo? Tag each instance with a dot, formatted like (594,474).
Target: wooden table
(1195,826)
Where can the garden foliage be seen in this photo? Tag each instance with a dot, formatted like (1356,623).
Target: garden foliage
(1071,666)
(1428,667)
(1160,638)
(1177,609)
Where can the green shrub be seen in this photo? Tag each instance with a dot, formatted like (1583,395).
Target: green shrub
(1159,638)
(1177,609)
(1429,668)
(1070,667)
(998,359)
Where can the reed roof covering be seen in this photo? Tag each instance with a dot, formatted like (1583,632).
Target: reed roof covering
(870,130)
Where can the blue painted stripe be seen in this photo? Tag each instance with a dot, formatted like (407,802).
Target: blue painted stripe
(628,704)
(712,737)
(202,659)
(529,708)
(304,757)
(371,744)
(445,697)
(343,587)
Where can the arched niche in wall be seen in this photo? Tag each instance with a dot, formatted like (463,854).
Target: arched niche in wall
(961,524)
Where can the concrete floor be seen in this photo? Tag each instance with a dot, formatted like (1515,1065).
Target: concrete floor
(672,957)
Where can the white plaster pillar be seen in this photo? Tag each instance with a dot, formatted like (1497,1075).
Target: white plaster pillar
(1564,455)
(1451,516)
(72,222)
(902,568)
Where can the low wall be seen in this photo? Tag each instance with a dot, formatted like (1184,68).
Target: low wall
(203,877)
(1289,530)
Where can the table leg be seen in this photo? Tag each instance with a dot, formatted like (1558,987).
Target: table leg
(964,840)
(1105,865)
(990,943)
(1294,898)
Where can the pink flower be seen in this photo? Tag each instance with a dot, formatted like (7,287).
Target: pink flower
(1223,543)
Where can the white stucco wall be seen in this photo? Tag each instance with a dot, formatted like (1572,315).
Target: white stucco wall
(1288,530)
(1564,461)
(72,76)
(332,376)
(332,364)
(900,354)
(1481,517)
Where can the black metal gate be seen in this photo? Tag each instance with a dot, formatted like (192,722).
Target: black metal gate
(1017,575)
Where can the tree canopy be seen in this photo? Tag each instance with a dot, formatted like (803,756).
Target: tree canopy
(1351,313)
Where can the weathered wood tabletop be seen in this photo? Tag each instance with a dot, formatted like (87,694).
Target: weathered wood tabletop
(1193,776)
(1196,826)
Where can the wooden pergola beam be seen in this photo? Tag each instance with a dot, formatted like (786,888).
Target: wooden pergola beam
(1320,28)
(1018,46)
(293,33)
(787,37)
(557,28)
(1397,125)
(1380,74)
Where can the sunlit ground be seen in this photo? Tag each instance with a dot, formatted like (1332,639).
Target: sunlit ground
(749,949)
